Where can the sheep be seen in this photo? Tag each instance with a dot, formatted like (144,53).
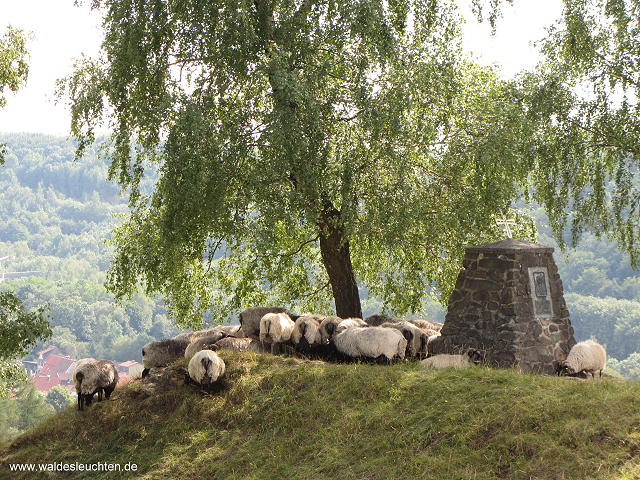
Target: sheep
(471,357)
(202,343)
(93,376)
(238,344)
(250,319)
(328,328)
(416,338)
(234,330)
(206,367)
(428,326)
(378,319)
(275,328)
(587,357)
(372,342)
(306,331)
(162,352)
(350,323)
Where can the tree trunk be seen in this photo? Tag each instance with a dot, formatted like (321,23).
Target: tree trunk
(337,260)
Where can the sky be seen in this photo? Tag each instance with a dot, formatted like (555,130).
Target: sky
(62,32)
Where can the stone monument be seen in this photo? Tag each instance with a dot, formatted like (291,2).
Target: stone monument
(508,301)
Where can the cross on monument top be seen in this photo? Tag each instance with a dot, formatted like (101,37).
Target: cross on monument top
(506,223)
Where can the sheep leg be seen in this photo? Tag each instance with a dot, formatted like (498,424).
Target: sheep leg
(80,402)
(99,394)
(275,348)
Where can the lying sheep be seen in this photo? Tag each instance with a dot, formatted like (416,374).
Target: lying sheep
(206,367)
(162,352)
(416,338)
(378,319)
(202,343)
(306,332)
(93,376)
(276,329)
(250,319)
(372,343)
(238,345)
(328,328)
(350,323)
(471,357)
(427,325)
(210,332)
(584,357)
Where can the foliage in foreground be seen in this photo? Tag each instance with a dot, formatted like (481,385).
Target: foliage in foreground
(282,419)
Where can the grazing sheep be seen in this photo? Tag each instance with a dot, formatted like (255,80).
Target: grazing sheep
(276,328)
(250,319)
(206,367)
(328,328)
(161,353)
(93,376)
(416,338)
(431,339)
(238,345)
(471,357)
(587,357)
(372,342)
(350,323)
(202,343)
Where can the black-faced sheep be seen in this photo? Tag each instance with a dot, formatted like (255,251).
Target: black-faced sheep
(371,343)
(328,328)
(250,319)
(306,331)
(93,376)
(443,360)
(206,367)
(587,357)
(276,329)
(416,338)
(162,352)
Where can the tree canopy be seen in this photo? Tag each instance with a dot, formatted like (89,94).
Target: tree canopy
(303,146)
(19,332)
(13,66)
(584,97)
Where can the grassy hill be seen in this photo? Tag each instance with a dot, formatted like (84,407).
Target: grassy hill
(290,419)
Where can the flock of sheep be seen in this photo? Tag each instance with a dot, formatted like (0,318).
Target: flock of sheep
(274,329)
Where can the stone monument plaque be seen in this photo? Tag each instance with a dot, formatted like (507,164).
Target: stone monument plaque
(540,294)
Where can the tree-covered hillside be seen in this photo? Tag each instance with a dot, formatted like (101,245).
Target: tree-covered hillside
(55,215)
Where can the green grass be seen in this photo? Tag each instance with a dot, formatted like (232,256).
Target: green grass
(281,419)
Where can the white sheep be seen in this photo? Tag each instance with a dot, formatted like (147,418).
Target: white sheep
(416,338)
(350,323)
(427,325)
(276,328)
(587,357)
(372,342)
(206,367)
(306,331)
(471,357)
(250,319)
(93,376)
(162,352)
